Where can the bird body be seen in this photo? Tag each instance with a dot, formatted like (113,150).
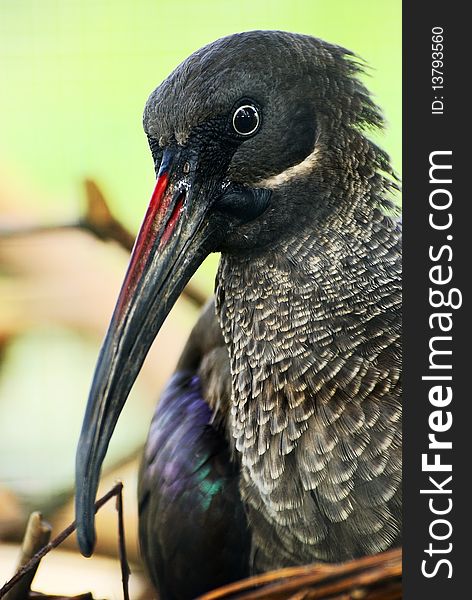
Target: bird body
(278,440)
(189,502)
(316,407)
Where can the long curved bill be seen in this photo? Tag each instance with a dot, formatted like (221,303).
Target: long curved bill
(173,240)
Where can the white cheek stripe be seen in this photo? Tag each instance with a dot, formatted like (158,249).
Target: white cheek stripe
(301,168)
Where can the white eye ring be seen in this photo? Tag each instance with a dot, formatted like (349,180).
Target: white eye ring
(251,115)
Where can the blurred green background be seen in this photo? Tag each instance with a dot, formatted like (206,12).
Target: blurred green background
(74,78)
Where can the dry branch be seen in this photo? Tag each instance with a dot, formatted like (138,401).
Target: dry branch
(35,560)
(39,596)
(100,221)
(37,535)
(370,578)
(125,571)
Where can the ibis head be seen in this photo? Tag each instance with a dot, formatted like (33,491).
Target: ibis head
(249,136)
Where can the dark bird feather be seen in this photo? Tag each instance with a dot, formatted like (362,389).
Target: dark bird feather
(189,501)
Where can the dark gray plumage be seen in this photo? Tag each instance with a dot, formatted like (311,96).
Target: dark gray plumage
(315,363)
(304,383)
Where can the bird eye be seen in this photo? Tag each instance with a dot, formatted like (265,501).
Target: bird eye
(246,120)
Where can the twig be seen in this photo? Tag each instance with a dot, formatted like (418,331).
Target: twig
(100,221)
(37,535)
(39,596)
(115,491)
(368,578)
(125,571)
(33,229)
